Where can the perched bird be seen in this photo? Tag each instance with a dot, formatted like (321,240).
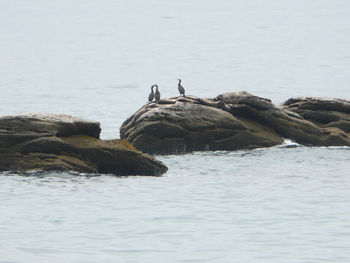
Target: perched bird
(180,88)
(157,94)
(151,95)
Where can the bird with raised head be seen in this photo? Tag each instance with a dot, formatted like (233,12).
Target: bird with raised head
(151,95)
(181,88)
(157,93)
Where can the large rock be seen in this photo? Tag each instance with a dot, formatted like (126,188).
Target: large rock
(322,111)
(62,143)
(22,127)
(189,124)
(288,124)
(228,122)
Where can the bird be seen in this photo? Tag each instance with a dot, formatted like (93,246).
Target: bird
(180,88)
(151,95)
(157,94)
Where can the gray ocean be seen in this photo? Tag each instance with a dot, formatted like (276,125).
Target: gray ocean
(98,59)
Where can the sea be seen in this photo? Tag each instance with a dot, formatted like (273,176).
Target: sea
(98,59)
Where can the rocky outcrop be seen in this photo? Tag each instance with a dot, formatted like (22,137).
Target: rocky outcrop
(228,122)
(189,124)
(63,143)
(288,124)
(326,113)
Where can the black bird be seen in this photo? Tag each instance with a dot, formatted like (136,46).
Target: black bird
(157,94)
(180,88)
(151,95)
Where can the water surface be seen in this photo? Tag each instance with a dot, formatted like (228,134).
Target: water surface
(98,59)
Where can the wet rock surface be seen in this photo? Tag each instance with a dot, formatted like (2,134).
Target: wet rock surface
(64,143)
(237,120)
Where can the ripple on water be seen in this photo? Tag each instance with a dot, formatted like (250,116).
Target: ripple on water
(255,204)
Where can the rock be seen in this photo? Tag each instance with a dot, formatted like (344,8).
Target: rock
(228,122)
(23,127)
(323,112)
(317,103)
(288,124)
(243,97)
(63,143)
(185,124)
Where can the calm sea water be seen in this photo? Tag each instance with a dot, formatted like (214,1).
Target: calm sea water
(98,59)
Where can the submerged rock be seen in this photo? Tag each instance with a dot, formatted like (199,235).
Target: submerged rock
(62,143)
(228,122)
